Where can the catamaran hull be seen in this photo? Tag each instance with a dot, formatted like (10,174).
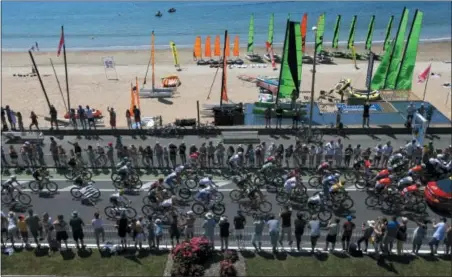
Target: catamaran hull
(157,92)
(275,56)
(254,58)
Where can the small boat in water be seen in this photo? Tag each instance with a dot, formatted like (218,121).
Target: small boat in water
(172,10)
(158,14)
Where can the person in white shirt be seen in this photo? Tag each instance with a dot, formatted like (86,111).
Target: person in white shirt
(118,199)
(318,154)
(98,227)
(206,182)
(169,203)
(208,186)
(410,147)
(338,152)
(271,149)
(329,151)
(378,154)
(290,184)
(171,180)
(235,160)
(12,227)
(387,152)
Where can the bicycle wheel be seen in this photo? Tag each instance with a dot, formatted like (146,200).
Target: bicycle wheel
(86,174)
(69,174)
(137,185)
(282,197)
(101,161)
(218,209)
(114,176)
(97,194)
(236,195)
(350,176)
(420,207)
(190,183)
(198,208)
(118,183)
(184,193)
(52,186)
(147,209)
(265,206)
(218,196)
(110,212)
(131,213)
(360,184)
(34,186)
(347,203)
(6,197)
(134,178)
(25,199)
(371,201)
(324,215)
(313,182)
(245,207)
(75,192)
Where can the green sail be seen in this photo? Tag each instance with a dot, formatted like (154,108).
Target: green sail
(250,47)
(379,77)
(351,35)
(337,26)
(271,25)
(370,32)
(405,77)
(387,41)
(397,52)
(320,31)
(291,62)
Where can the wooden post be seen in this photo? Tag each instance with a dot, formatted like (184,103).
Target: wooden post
(39,77)
(197,109)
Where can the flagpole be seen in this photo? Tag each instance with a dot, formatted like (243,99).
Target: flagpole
(65,70)
(426,82)
(59,85)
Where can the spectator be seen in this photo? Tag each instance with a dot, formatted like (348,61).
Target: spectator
(279,116)
(387,152)
(112,114)
(286,224)
(34,224)
(174,230)
(137,117)
(190,225)
(390,235)
(98,226)
(46,224)
(299,225)
(259,224)
(61,231)
(151,232)
(82,116)
(367,230)
(314,226)
(239,228)
(20,122)
(401,235)
(11,118)
(209,227)
(12,227)
(329,152)
(73,118)
(448,240)
(366,114)
(348,155)
(410,110)
(34,120)
(23,230)
(90,116)
(129,119)
(183,152)
(224,233)
(338,152)
(3,116)
(268,117)
(4,229)
(347,232)
(77,225)
(158,227)
(379,232)
(139,233)
(273,229)
(438,235)
(295,118)
(53,117)
(123,227)
(419,235)
(333,230)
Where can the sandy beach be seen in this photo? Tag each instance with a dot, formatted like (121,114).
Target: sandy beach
(88,84)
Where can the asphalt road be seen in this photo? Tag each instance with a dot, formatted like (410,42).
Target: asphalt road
(440,141)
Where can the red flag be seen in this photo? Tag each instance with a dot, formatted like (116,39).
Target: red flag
(421,78)
(60,45)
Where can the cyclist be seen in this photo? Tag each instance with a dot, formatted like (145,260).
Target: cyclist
(171,180)
(204,195)
(155,193)
(382,184)
(330,181)
(405,181)
(123,170)
(206,182)
(406,192)
(290,184)
(396,160)
(168,204)
(417,170)
(118,199)
(436,166)
(235,160)
(268,165)
(40,173)
(180,169)
(383,174)
(315,200)
(11,184)
(336,187)
(100,150)
(323,168)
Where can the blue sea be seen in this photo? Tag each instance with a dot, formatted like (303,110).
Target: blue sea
(127,25)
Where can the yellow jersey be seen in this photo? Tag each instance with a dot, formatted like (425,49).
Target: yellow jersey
(22,226)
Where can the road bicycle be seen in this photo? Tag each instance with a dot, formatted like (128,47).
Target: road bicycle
(10,193)
(248,205)
(38,186)
(132,182)
(113,212)
(86,192)
(298,194)
(74,173)
(240,194)
(263,179)
(200,208)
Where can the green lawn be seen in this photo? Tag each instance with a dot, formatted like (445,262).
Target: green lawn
(84,264)
(343,265)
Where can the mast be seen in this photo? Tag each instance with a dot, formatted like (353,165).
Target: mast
(393,48)
(153,60)
(282,60)
(406,48)
(223,83)
(65,70)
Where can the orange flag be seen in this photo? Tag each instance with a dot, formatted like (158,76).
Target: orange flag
(207,49)
(236,47)
(217,50)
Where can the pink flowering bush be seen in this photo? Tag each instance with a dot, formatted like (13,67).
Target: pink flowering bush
(227,269)
(189,256)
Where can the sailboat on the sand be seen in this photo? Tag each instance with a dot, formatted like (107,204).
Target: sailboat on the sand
(155,92)
(251,56)
(269,43)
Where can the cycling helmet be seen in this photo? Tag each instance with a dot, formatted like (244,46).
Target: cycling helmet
(432,161)
(13,178)
(121,191)
(240,153)
(190,213)
(337,175)
(125,159)
(440,156)
(321,193)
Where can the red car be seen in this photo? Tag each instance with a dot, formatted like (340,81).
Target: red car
(439,194)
